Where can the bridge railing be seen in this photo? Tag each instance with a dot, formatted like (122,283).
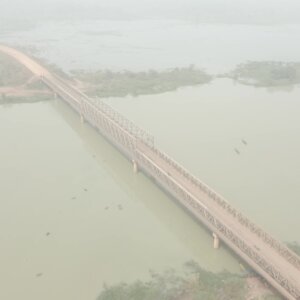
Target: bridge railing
(128,125)
(283,250)
(108,127)
(67,95)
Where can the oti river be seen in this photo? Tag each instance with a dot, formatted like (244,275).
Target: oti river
(73,214)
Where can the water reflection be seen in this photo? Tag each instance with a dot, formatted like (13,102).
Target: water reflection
(75,215)
(204,128)
(144,192)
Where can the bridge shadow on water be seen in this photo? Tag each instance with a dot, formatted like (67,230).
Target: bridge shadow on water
(145,192)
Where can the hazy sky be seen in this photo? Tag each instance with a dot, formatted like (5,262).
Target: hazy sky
(234,11)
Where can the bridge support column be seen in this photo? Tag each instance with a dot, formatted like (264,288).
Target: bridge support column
(81,118)
(216,241)
(135,167)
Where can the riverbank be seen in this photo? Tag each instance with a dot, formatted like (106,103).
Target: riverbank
(18,85)
(195,283)
(266,73)
(105,83)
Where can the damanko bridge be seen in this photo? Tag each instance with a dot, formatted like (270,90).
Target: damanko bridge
(267,256)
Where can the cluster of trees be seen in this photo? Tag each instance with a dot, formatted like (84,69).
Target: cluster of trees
(105,83)
(196,284)
(268,73)
(118,84)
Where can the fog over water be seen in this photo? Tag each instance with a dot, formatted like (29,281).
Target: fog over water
(220,11)
(73,214)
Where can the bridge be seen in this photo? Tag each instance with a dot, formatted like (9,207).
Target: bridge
(270,258)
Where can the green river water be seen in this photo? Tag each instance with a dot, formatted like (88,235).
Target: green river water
(73,214)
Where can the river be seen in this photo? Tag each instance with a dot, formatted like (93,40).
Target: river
(74,216)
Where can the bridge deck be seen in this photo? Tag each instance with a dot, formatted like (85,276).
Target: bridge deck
(265,250)
(269,257)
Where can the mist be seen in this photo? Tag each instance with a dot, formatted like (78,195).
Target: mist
(212,11)
(143,139)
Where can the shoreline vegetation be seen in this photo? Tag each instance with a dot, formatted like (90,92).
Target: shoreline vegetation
(266,73)
(17,85)
(194,283)
(105,83)
(119,84)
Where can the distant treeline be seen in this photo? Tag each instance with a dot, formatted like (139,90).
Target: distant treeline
(118,84)
(266,74)
(106,83)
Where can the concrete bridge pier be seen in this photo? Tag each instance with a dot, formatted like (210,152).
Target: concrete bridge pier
(135,167)
(81,118)
(216,241)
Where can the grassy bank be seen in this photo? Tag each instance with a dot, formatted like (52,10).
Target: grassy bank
(266,73)
(105,83)
(194,284)
(6,100)
(119,84)
(197,284)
